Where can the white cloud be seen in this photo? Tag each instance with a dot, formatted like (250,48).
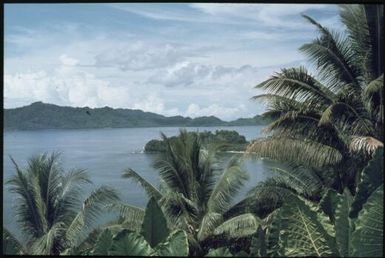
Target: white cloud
(226,113)
(201,75)
(282,15)
(141,56)
(65,85)
(65,60)
(171,68)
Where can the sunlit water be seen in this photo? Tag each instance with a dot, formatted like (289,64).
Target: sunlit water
(105,153)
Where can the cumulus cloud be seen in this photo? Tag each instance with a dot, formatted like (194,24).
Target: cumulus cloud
(65,60)
(201,75)
(71,86)
(65,85)
(141,56)
(206,65)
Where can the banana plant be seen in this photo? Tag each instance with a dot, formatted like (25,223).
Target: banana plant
(154,238)
(340,225)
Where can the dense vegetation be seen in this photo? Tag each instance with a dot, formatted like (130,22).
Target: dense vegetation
(327,129)
(39,115)
(226,140)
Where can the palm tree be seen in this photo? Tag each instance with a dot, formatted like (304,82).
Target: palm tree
(195,192)
(335,119)
(51,211)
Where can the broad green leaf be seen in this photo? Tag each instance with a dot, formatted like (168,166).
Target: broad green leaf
(129,243)
(154,227)
(372,176)
(175,245)
(258,244)
(219,252)
(302,233)
(239,226)
(343,224)
(103,243)
(367,239)
(328,203)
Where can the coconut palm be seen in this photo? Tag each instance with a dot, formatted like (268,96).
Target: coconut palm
(333,119)
(195,192)
(51,210)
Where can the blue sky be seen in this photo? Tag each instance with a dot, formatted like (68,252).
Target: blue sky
(173,59)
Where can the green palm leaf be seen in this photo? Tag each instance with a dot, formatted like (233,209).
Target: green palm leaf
(354,17)
(132,216)
(28,216)
(226,187)
(149,188)
(11,246)
(239,226)
(209,222)
(93,207)
(332,55)
(297,83)
(298,152)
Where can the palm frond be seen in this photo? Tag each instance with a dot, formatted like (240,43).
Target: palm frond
(209,222)
(303,181)
(93,207)
(365,145)
(48,243)
(299,152)
(297,84)
(226,187)
(181,212)
(132,216)
(333,57)
(177,165)
(148,187)
(70,194)
(354,17)
(239,226)
(372,95)
(11,245)
(346,116)
(27,215)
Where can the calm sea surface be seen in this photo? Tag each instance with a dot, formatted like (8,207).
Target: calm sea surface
(105,153)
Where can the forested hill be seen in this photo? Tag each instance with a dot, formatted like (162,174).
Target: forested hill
(40,115)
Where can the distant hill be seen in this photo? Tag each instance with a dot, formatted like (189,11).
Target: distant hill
(40,115)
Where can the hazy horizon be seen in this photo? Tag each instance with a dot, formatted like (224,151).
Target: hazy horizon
(170,59)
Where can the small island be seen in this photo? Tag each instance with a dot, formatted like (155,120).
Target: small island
(226,139)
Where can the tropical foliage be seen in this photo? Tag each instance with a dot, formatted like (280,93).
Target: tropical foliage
(334,118)
(230,141)
(51,209)
(154,238)
(195,193)
(325,200)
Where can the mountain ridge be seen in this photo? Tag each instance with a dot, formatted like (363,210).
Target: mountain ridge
(39,115)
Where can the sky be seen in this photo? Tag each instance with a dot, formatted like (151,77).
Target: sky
(172,59)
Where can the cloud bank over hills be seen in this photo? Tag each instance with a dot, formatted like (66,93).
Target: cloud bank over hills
(172,59)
